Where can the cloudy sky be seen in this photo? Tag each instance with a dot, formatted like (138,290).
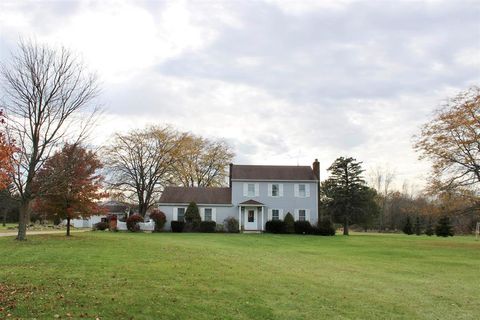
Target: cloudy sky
(283,82)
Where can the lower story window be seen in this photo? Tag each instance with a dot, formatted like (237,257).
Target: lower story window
(302,215)
(181,214)
(275,214)
(208,214)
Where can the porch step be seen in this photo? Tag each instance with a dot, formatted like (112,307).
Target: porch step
(252,231)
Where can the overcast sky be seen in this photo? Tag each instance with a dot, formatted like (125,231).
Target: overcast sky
(284,82)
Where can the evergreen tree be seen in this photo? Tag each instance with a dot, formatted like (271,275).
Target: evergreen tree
(429,230)
(192,216)
(289,223)
(418,226)
(408,229)
(444,228)
(345,196)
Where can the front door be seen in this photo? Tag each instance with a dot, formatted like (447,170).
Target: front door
(251,219)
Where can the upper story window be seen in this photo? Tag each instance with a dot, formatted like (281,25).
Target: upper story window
(208,214)
(250,189)
(302,190)
(275,214)
(275,190)
(302,215)
(180,214)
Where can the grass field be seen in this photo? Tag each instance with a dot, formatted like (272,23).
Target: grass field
(231,276)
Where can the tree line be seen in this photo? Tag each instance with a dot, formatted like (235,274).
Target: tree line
(50,104)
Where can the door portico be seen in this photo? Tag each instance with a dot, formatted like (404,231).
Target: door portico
(251,216)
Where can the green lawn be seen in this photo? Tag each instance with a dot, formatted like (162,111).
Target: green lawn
(8,227)
(225,276)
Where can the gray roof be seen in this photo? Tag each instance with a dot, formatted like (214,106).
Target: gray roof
(201,195)
(255,172)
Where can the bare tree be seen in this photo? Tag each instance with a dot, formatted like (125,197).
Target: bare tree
(203,163)
(140,163)
(48,95)
(381,179)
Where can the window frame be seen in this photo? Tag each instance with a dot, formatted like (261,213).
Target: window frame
(205,214)
(183,214)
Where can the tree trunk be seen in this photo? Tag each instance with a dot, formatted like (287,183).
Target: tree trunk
(4,222)
(23,220)
(345,227)
(68,226)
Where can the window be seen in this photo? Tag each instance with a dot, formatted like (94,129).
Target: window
(251,190)
(251,216)
(275,190)
(302,215)
(180,214)
(275,214)
(302,190)
(208,214)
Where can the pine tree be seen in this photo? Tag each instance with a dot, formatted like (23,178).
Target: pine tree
(408,229)
(429,230)
(444,228)
(345,196)
(289,223)
(418,226)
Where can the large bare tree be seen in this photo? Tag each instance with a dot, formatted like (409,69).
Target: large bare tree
(204,163)
(48,95)
(140,163)
(451,141)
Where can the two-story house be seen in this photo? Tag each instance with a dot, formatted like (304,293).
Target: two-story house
(255,195)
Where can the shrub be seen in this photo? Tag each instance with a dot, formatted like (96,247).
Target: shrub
(192,214)
(418,226)
(177,226)
(444,228)
(289,223)
(302,227)
(275,226)
(132,222)
(159,218)
(231,225)
(219,228)
(408,229)
(208,226)
(325,228)
(100,226)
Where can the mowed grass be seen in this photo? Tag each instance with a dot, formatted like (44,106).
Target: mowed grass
(240,276)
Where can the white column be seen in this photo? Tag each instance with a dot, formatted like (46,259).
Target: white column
(262,218)
(239,218)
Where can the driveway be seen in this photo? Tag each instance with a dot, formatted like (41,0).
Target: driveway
(32,233)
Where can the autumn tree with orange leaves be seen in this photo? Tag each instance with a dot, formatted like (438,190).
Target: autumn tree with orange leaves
(6,151)
(69,185)
(451,141)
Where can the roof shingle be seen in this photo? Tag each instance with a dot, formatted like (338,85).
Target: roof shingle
(256,172)
(200,195)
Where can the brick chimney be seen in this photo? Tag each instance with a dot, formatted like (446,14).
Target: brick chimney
(230,175)
(316,168)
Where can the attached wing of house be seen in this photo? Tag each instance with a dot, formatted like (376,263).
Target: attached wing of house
(255,195)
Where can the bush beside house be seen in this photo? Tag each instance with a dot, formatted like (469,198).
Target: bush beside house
(208,226)
(289,223)
(132,222)
(302,227)
(231,225)
(177,226)
(275,226)
(159,218)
